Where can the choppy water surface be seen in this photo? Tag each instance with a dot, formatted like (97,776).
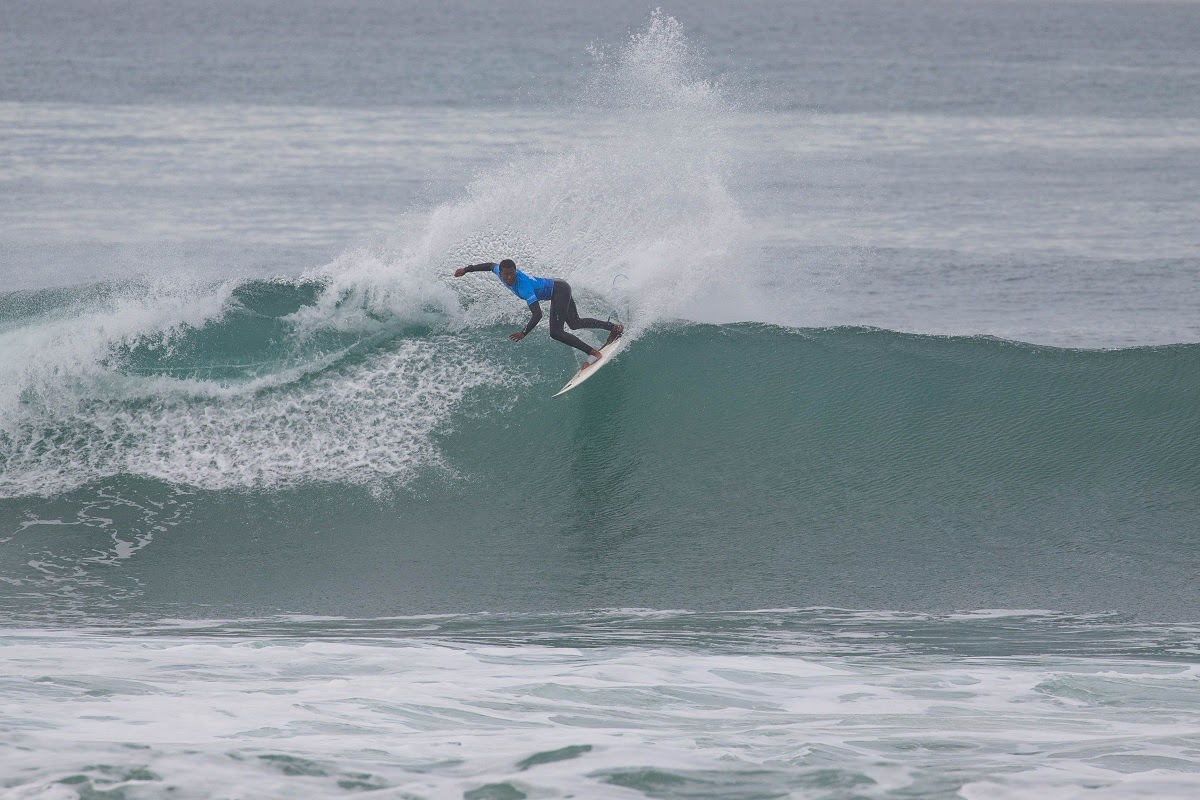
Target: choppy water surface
(818,703)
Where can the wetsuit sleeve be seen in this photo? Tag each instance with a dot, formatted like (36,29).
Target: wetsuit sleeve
(481,267)
(535,312)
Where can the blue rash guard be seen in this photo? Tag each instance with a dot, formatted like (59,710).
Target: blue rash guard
(528,289)
(562,307)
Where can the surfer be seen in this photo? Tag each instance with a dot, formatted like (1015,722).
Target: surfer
(562,306)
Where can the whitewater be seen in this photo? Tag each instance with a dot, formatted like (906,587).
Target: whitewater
(893,491)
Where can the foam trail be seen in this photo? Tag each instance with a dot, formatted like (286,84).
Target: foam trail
(367,423)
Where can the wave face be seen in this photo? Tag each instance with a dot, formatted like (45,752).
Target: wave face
(422,469)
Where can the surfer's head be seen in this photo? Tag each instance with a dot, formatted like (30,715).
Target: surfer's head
(508,271)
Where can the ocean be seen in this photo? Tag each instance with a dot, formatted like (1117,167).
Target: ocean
(893,492)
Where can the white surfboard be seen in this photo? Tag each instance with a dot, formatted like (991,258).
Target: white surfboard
(606,353)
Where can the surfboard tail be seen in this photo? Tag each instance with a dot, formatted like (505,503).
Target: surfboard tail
(585,372)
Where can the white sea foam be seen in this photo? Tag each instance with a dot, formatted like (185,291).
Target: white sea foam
(369,422)
(238,715)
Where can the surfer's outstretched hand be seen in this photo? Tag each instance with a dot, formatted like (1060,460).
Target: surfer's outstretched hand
(458,273)
(518,336)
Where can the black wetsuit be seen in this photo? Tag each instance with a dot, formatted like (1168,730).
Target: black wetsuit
(562,309)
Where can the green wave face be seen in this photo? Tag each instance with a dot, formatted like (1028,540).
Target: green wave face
(243,464)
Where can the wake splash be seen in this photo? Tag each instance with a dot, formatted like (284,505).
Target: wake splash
(345,374)
(638,216)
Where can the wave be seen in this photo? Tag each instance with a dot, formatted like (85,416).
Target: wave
(427,469)
(244,395)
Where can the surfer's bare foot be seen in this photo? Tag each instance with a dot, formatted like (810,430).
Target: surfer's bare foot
(615,333)
(592,358)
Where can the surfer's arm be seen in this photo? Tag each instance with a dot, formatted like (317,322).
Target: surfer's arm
(458,273)
(535,316)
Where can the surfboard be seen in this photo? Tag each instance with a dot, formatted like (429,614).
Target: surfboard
(606,353)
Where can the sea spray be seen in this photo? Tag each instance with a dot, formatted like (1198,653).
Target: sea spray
(646,200)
